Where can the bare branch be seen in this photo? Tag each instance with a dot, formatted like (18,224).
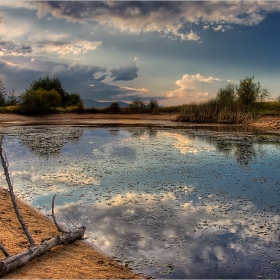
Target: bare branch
(4,250)
(54,219)
(5,167)
(71,221)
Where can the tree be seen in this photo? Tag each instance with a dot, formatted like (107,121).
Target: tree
(249,92)
(11,99)
(74,99)
(48,84)
(227,94)
(153,105)
(137,105)
(39,101)
(2,93)
(114,108)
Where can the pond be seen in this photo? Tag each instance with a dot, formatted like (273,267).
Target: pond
(171,203)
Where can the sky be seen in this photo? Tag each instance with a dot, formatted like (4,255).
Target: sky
(175,52)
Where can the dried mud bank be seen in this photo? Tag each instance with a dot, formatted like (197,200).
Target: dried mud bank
(266,124)
(73,261)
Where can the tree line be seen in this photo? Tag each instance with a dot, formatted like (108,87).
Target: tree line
(42,96)
(232,104)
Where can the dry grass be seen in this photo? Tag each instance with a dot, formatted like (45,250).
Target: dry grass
(73,261)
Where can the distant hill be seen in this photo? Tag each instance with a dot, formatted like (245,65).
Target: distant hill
(88,103)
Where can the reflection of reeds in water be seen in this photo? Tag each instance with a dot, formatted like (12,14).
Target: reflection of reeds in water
(213,111)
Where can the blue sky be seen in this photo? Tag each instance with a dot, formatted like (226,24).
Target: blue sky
(176,52)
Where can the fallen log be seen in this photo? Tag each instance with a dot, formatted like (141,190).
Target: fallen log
(13,262)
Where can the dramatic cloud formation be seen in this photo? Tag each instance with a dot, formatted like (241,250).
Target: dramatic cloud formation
(127,72)
(188,85)
(164,17)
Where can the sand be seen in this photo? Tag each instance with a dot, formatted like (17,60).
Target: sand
(77,260)
(267,123)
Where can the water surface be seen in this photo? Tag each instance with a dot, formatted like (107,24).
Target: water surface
(171,203)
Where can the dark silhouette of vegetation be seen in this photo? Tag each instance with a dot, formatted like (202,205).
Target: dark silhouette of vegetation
(137,106)
(48,84)
(153,106)
(11,99)
(39,101)
(114,108)
(74,99)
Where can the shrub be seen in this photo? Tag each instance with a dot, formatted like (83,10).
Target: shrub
(48,84)
(39,101)
(137,106)
(249,92)
(114,108)
(153,106)
(74,99)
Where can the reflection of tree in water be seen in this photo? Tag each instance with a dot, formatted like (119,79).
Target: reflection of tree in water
(152,133)
(243,151)
(138,132)
(232,142)
(48,141)
(114,132)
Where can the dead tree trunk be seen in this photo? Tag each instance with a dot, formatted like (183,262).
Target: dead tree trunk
(11,263)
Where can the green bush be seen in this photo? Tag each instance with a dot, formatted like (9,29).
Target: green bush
(39,101)
(249,92)
(48,84)
(74,99)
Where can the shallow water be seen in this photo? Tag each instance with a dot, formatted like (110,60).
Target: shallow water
(171,203)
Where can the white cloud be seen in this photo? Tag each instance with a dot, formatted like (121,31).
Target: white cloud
(222,28)
(189,87)
(49,36)
(67,48)
(219,27)
(132,92)
(136,89)
(191,36)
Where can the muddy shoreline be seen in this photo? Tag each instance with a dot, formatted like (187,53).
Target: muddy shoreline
(270,124)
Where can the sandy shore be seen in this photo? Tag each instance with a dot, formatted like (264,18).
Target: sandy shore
(268,123)
(72,261)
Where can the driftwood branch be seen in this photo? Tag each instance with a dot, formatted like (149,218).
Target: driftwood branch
(4,250)
(8,179)
(11,263)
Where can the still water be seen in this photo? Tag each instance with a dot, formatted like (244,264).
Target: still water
(170,203)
